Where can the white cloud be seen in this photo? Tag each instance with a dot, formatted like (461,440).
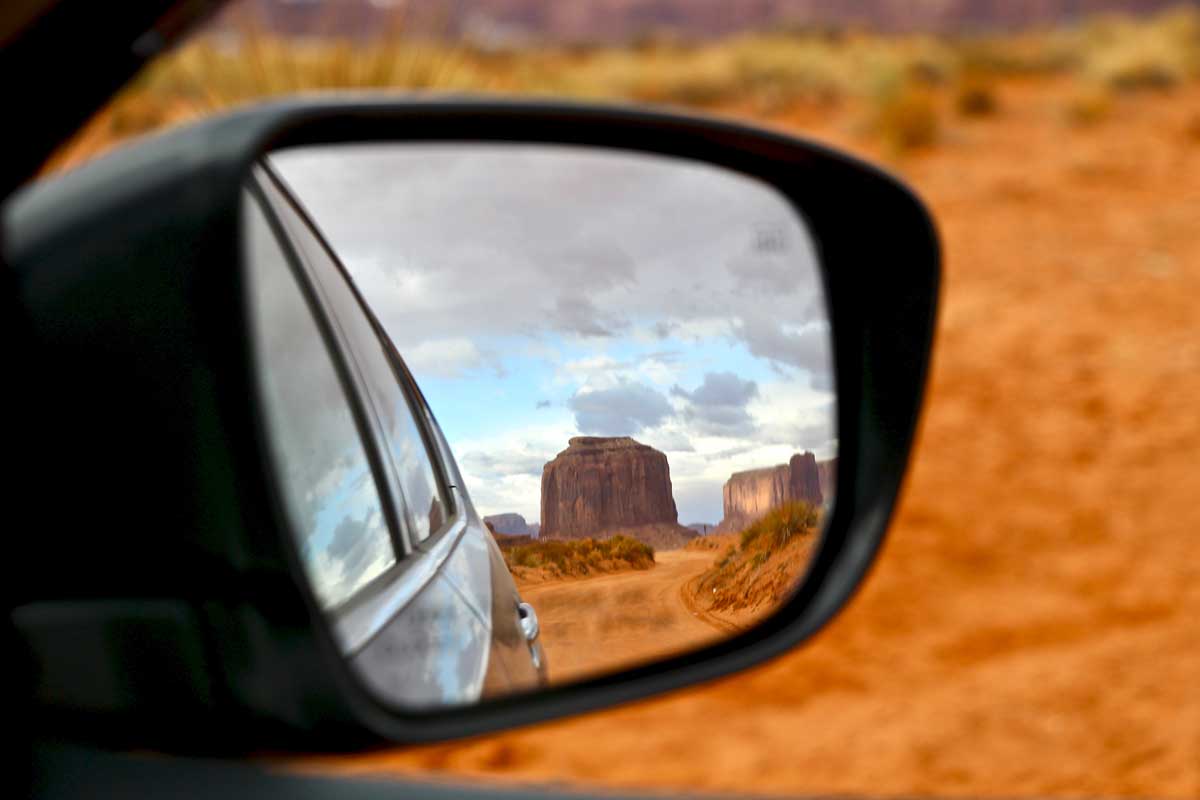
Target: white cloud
(660,368)
(669,437)
(444,358)
(478,240)
(503,470)
(624,409)
(600,371)
(795,414)
(718,405)
(807,346)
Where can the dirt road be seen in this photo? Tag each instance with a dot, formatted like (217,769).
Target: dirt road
(612,621)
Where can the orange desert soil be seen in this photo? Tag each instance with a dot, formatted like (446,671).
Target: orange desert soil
(1033,624)
(593,625)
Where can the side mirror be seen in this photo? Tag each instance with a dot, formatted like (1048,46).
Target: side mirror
(283,534)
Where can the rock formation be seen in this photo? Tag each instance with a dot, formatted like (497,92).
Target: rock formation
(508,524)
(602,486)
(804,479)
(827,473)
(749,495)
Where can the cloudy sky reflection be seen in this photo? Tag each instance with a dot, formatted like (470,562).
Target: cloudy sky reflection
(539,293)
(327,480)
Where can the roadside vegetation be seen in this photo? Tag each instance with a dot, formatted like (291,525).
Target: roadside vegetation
(577,558)
(905,93)
(761,565)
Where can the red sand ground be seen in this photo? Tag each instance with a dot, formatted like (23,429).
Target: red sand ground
(1033,626)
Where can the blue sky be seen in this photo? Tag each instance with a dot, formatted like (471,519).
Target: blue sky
(525,387)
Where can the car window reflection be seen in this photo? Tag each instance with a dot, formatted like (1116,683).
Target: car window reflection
(425,505)
(324,472)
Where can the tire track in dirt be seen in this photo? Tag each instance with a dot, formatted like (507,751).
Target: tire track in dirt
(689,595)
(613,621)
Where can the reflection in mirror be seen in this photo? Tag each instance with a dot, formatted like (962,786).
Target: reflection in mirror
(630,365)
(341,537)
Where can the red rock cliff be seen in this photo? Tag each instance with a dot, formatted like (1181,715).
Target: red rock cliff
(804,479)
(751,494)
(827,472)
(600,486)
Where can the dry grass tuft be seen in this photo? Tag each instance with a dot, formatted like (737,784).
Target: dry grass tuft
(779,526)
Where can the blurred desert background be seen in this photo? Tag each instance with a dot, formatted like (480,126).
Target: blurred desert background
(1033,625)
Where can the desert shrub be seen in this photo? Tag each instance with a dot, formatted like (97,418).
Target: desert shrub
(905,118)
(251,64)
(1119,53)
(790,520)
(1034,53)
(698,79)
(581,556)
(779,525)
(1130,56)
(524,557)
(742,576)
(776,72)
(976,97)
(689,76)
(627,549)
(750,535)
(1088,107)
(1137,69)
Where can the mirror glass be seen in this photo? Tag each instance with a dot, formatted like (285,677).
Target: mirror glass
(621,368)
(342,539)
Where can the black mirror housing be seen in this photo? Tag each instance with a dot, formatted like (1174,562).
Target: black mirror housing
(158,599)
